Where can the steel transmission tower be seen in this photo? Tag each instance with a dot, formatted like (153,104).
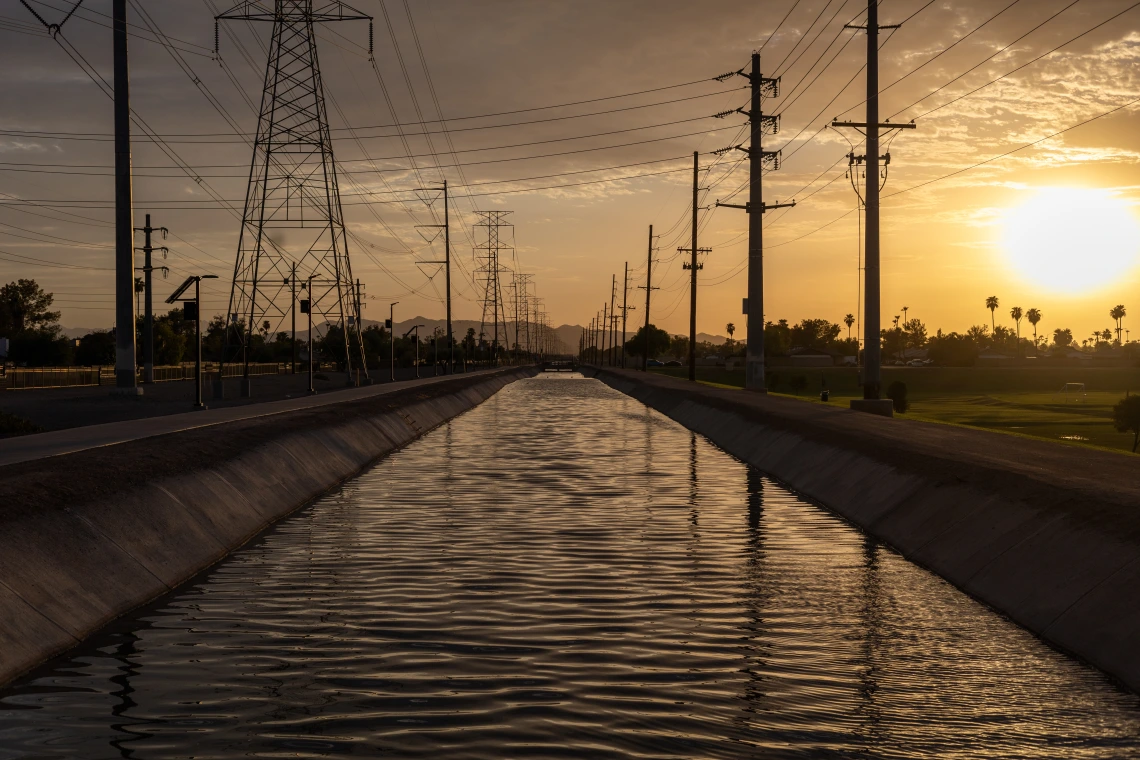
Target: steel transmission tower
(493,307)
(293,198)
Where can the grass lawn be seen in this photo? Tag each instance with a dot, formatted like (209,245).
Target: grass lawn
(1076,420)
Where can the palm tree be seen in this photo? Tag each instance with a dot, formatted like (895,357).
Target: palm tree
(1062,337)
(904,310)
(992,304)
(849,320)
(731,328)
(1106,334)
(1034,316)
(1015,312)
(1118,314)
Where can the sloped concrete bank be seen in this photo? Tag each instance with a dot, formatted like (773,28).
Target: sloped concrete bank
(88,536)
(1045,533)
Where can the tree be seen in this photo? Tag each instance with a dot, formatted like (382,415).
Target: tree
(915,333)
(731,329)
(849,320)
(1034,316)
(140,288)
(96,348)
(1015,312)
(953,350)
(1126,418)
(658,342)
(892,341)
(992,305)
(777,338)
(1002,336)
(904,310)
(979,335)
(1106,335)
(679,346)
(25,306)
(896,392)
(1118,313)
(1062,338)
(815,333)
(798,383)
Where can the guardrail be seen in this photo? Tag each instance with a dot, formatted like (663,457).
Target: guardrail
(28,378)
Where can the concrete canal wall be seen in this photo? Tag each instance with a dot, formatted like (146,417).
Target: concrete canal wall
(88,536)
(1045,533)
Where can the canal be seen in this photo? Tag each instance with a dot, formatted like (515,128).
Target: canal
(563,572)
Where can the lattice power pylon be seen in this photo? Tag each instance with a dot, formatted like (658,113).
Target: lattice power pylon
(489,271)
(293,239)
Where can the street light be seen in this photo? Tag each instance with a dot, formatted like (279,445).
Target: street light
(192,309)
(416,330)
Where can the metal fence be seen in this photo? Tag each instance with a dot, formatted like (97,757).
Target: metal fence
(22,378)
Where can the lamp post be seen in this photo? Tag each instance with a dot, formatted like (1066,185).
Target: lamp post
(194,307)
(416,329)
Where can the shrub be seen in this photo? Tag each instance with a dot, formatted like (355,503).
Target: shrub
(897,394)
(1126,417)
(798,383)
(11,425)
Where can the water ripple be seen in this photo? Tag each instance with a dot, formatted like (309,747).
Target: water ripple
(562,573)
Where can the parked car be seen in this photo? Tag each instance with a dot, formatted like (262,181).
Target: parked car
(672,363)
(654,363)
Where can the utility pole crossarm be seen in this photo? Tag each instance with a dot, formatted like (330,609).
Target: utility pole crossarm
(884,125)
(747,207)
(266,10)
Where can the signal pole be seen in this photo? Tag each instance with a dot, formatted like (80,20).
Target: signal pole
(648,291)
(693,267)
(872,353)
(148,297)
(758,160)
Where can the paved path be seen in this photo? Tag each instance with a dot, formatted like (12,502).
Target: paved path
(54,443)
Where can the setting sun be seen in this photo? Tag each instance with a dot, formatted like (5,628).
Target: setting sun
(1072,239)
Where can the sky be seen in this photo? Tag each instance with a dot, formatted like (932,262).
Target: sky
(602,105)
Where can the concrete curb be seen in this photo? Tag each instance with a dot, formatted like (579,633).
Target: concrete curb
(1057,555)
(69,566)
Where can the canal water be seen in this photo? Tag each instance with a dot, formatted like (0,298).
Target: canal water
(563,572)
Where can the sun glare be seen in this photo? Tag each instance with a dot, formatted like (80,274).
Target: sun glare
(1072,240)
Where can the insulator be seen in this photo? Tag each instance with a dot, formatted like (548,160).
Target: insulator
(215,38)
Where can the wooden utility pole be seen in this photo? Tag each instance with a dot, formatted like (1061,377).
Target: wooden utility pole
(693,267)
(758,160)
(613,316)
(605,332)
(625,307)
(648,291)
(148,298)
(872,353)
